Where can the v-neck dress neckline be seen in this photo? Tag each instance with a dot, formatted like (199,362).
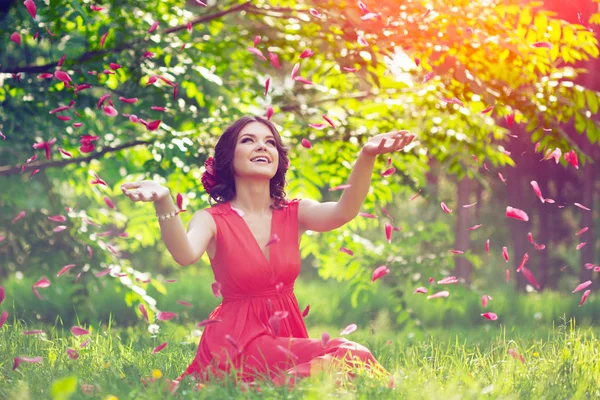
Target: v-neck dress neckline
(249,231)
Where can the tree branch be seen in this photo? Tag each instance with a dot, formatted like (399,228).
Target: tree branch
(90,54)
(8,170)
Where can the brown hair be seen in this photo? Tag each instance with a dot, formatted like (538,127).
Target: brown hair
(224,190)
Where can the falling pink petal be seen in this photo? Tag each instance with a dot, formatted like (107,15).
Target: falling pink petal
(42,283)
(1,294)
(306,143)
(502,178)
(571,158)
(216,289)
(32,332)
(62,76)
(73,355)
(59,228)
(96,8)
(329,121)
(431,280)
(448,280)
(537,191)
(388,172)
(304,80)
(582,286)
(445,207)
(456,251)
(305,311)
(15,37)
(18,217)
(580,245)
(3,318)
(379,272)
(65,269)
(295,71)
(505,253)
(529,275)
(415,196)
(523,262)
(484,299)
(507,275)
(256,40)
(315,13)
(350,69)
(347,251)
(143,311)
(583,230)
(159,348)
(582,207)
(31,8)
(417,61)
(490,315)
(420,289)
(165,315)
(388,232)
(267,82)
(274,239)
(546,45)
(516,355)
(469,205)
(269,112)
(474,227)
(510,119)
(208,322)
(109,202)
(307,53)
(103,272)
(89,249)
(487,110)
(428,76)
(153,27)
(257,52)
(78,331)
(584,297)
(516,214)
(444,293)
(339,187)
(349,329)
(274,60)
(366,215)
(128,100)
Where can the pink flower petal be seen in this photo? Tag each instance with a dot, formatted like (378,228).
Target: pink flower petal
(484,299)
(420,289)
(379,272)
(159,348)
(582,286)
(537,190)
(78,331)
(349,329)
(165,315)
(445,207)
(3,318)
(516,214)
(490,315)
(582,207)
(143,311)
(584,297)
(443,293)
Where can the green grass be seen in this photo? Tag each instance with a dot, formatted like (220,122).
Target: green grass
(561,362)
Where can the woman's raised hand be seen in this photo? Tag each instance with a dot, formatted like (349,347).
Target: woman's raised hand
(145,191)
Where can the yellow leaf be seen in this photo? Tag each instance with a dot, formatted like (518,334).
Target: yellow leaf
(525,17)
(555,31)
(568,34)
(541,24)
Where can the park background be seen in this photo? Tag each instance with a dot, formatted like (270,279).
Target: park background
(500,93)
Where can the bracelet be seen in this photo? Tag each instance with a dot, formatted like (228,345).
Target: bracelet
(165,217)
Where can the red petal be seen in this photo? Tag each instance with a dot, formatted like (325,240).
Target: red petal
(523,262)
(537,190)
(582,207)
(153,27)
(216,289)
(516,214)
(580,245)
(42,283)
(484,299)
(546,45)
(582,286)
(445,207)
(347,251)
(31,8)
(257,52)
(274,60)
(78,331)
(379,272)
(415,196)
(295,70)
(143,311)
(585,295)
(159,348)
(18,217)
(306,143)
(65,269)
(444,293)
(420,289)
(490,315)
(109,202)
(165,315)
(529,275)
(128,100)
(505,253)
(507,275)
(349,329)
(581,231)
(3,318)
(305,311)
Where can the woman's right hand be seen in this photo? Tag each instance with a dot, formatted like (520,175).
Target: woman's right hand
(145,191)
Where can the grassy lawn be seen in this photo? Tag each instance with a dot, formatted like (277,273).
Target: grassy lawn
(560,362)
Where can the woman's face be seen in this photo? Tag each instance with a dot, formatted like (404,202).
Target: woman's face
(255,139)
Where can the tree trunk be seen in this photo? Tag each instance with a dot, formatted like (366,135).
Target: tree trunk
(462,241)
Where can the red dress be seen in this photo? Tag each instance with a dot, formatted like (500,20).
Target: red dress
(260,330)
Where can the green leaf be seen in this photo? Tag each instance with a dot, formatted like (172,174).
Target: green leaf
(78,8)
(592,101)
(62,389)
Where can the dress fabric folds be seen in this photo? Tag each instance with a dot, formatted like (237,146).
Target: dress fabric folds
(258,328)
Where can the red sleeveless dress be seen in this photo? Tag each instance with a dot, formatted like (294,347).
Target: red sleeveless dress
(258,328)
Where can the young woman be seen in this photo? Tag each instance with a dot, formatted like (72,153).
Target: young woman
(252,238)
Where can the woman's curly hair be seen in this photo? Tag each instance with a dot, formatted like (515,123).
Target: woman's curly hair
(224,183)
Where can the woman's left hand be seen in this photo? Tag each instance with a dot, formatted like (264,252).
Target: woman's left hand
(376,145)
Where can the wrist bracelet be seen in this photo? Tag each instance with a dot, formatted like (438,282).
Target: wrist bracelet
(165,217)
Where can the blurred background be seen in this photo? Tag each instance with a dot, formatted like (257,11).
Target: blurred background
(500,94)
